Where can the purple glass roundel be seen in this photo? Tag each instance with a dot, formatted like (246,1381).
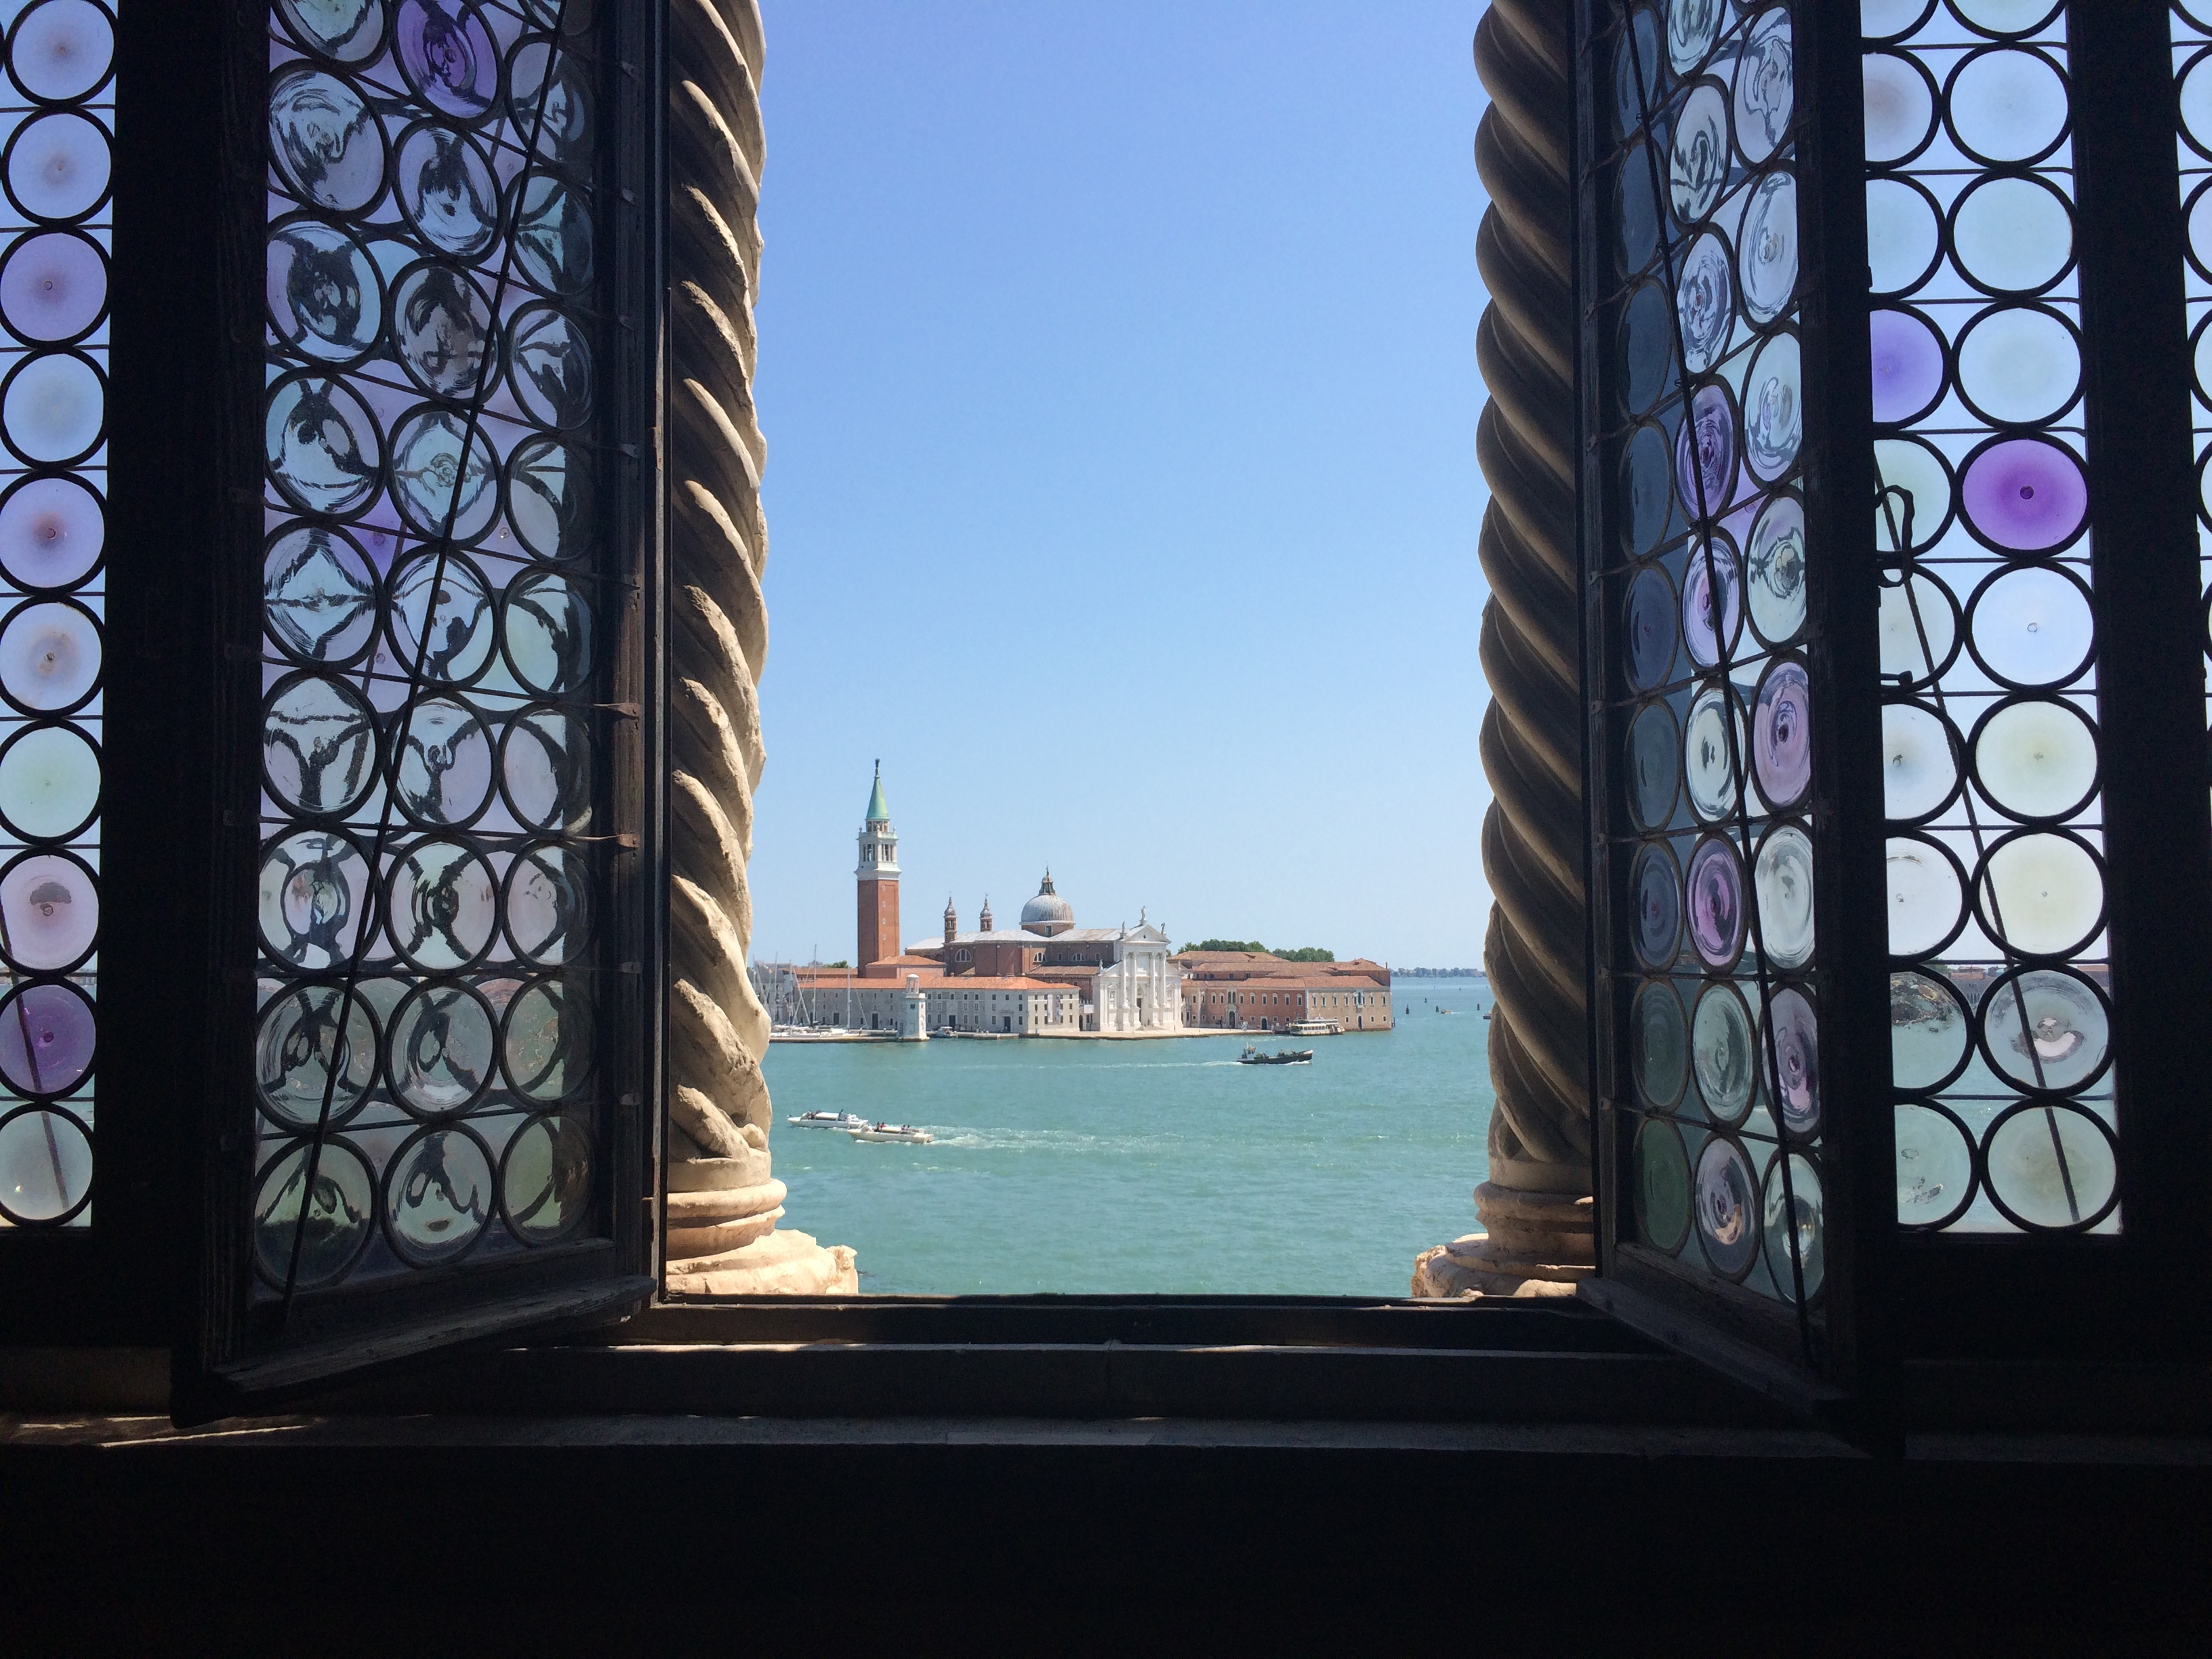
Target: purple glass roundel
(51,531)
(53,286)
(2025,494)
(1709,628)
(1716,902)
(1650,623)
(1795,1032)
(46,1039)
(1782,734)
(1658,905)
(449,57)
(1704,454)
(1908,366)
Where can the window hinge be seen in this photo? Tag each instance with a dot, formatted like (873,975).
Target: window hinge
(630,450)
(627,843)
(633,967)
(629,711)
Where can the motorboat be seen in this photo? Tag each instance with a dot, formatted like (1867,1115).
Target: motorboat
(906,1132)
(1252,1056)
(828,1121)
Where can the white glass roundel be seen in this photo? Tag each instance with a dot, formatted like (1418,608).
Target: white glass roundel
(53,408)
(1918,770)
(2008,105)
(1903,235)
(2013,234)
(2019,365)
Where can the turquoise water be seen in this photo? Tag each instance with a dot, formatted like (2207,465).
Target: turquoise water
(1156,1166)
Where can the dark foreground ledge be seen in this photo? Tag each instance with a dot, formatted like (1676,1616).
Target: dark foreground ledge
(426,1532)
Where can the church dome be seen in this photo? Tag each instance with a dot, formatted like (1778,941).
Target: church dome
(1047,913)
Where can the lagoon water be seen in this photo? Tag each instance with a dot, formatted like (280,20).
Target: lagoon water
(1147,1167)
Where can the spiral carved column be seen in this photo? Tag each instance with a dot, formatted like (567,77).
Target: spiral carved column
(1536,1203)
(723,1204)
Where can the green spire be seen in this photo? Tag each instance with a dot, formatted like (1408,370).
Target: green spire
(877,812)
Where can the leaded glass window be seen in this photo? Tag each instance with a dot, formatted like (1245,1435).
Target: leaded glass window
(1709,970)
(2001,1051)
(2192,67)
(57,115)
(442,886)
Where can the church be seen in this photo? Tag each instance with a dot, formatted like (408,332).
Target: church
(1044,977)
(1126,977)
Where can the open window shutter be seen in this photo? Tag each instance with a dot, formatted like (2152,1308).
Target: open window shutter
(424,1059)
(1893,652)
(1729,648)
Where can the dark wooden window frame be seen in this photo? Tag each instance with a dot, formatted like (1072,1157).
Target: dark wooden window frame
(1947,1296)
(163,1259)
(136,1276)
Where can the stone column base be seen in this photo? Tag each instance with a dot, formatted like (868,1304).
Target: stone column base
(723,1206)
(1539,1243)
(1475,1266)
(780,1263)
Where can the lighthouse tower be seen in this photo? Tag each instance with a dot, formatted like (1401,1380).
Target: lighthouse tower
(878,875)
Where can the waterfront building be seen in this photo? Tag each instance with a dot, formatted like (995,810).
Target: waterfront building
(915,1004)
(1124,979)
(1257,991)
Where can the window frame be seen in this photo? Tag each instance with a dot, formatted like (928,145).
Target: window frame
(1951,1295)
(163,1106)
(2140,1292)
(585,1278)
(164,1260)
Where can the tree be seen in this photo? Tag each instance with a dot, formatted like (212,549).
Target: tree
(1310,953)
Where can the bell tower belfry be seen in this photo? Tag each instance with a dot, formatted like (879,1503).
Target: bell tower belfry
(877,873)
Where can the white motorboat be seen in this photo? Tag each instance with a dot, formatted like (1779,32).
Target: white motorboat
(828,1121)
(900,1131)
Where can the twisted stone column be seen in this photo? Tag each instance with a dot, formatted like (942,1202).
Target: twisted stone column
(1536,1203)
(723,1205)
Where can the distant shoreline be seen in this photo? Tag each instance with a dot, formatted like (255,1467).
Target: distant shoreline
(1436,973)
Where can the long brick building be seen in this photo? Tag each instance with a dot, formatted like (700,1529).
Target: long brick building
(1258,991)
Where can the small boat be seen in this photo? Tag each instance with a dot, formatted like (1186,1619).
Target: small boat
(828,1121)
(900,1131)
(1252,1056)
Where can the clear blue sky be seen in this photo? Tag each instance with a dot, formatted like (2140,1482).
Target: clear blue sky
(1117,367)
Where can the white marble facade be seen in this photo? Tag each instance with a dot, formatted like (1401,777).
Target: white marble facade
(1140,989)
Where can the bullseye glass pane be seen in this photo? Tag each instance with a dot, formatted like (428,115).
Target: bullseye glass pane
(437,618)
(1709,709)
(1990,732)
(56,113)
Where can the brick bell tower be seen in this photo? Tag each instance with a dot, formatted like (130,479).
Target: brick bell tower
(879,874)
